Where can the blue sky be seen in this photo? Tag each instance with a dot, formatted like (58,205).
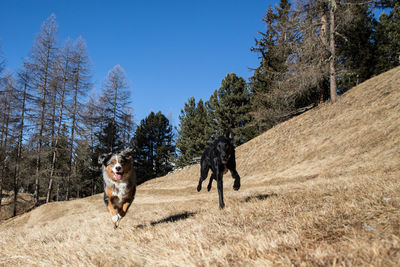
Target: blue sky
(170,50)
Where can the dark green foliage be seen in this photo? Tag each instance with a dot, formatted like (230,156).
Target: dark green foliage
(387,40)
(271,99)
(296,64)
(63,147)
(273,48)
(153,147)
(195,131)
(229,108)
(109,139)
(356,57)
(87,179)
(385,3)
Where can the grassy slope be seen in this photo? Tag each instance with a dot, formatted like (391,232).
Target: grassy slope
(322,189)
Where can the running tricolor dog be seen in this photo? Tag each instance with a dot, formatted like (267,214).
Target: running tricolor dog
(119,183)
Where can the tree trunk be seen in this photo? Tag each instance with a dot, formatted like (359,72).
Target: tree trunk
(3,169)
(324,28)
(19,152)
(332,68)
(3,133)
(114,117)
(1,145)
(72,137)
(54,159)
(43,110)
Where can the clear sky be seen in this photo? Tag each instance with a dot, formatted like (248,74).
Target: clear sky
(170,49)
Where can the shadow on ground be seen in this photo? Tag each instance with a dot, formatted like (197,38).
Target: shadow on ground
(259,197)
(172,218)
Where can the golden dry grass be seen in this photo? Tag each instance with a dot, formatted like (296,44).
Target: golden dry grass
(320,189)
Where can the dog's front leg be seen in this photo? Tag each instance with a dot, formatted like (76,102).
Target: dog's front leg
(232,168)
(125,208)
(236,184)
(115,217)
(210,182)
(220,189)
(204,168)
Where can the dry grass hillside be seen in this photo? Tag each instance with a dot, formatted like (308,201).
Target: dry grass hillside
(320,189)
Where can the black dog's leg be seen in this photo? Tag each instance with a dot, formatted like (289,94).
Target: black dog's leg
(220,189)
(204,168)
(236,184)
(210,182)
(235,175)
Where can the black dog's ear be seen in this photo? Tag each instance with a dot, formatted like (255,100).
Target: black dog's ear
(229,134)
(103,158)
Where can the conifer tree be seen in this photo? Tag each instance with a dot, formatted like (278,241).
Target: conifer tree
(356,61)
(41,65)
(387,40)
(7,101)
(269,97)
(60,78)
(114,100)
(22,94)
(229,107)
(109,139)
(194,131)
(80,85)
(153,147)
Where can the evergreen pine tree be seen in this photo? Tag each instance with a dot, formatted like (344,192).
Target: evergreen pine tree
(108,139)
(275,47)
(153,147)
(388,40)
(355,45)
(230,107)
(194,132)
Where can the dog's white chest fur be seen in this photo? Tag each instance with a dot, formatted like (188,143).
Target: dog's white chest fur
(119,189)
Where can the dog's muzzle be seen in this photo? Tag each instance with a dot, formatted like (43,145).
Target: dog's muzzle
(225,160)
(118,176)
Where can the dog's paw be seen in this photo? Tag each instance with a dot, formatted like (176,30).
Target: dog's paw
(236,185)
(198,187)
(116,218)
(209,187)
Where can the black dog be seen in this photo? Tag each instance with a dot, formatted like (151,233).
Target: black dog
(219,157)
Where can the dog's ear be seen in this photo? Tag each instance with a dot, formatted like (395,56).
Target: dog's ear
(229,134)
(127,153)
(103,158)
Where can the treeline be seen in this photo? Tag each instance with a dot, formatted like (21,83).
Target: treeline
(53,128)
(310,52)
